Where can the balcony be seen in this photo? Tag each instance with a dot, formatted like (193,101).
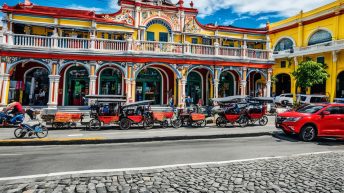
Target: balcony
(106,47)
(334,45)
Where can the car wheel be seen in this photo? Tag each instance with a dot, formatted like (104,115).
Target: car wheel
(284,103)
(125,124)
(308,133)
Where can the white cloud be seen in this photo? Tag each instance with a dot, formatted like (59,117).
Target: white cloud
(232,21)
(79,7)
(262,25)
(284,8)
(113,4)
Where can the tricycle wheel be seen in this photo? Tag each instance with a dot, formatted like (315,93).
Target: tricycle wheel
(164,124)
(243,121)
(94,125)
(57,125)
(125,124)
(263,121)
(221,122)
(148,123)
(176,123)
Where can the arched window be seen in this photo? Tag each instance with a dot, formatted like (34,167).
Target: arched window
(320,36)
(284,44)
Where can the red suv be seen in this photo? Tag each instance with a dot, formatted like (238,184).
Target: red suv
(315,120)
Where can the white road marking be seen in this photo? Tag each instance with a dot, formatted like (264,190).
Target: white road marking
(10,154)
(75,135)
(158,167)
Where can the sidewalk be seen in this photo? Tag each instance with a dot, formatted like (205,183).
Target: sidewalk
(114,135)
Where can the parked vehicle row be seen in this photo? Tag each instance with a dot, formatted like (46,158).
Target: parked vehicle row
(288,99)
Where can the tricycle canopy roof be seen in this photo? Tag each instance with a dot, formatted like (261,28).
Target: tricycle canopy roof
(229,99)
(138,103)
(261,99)
(106,98)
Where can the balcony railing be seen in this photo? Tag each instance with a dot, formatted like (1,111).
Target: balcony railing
(149,47)
(313,49)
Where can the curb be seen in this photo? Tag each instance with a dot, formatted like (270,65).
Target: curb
(80,141)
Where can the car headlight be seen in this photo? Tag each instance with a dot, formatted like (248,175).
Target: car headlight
(292,119)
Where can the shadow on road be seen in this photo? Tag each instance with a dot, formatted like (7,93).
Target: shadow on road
(281,136)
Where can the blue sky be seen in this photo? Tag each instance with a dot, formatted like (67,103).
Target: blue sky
(241,13)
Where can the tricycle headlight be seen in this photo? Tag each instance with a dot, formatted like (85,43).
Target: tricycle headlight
(292,119)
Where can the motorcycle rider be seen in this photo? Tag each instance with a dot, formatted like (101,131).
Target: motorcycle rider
(16,109)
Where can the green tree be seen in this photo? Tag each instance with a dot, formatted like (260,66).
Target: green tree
(309,73)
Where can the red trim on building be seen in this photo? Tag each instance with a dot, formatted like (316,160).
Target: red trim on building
(132,59)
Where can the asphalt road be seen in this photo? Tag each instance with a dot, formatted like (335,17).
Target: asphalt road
(19,161)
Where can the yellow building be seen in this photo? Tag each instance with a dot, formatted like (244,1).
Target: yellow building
(317,34)
(154,49)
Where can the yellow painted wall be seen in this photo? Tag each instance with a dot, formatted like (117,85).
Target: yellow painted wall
(38,30)
(79,23)
(108,27)
(33,18)
(232,35)
(156,28)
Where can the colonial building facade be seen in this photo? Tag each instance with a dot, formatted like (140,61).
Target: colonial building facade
(154,50)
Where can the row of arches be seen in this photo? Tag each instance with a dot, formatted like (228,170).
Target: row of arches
(283,85)
(29,83)
(318,37)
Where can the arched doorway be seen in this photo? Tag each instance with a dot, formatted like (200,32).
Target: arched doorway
(194,86)
(256,84)
(283,84)
(340,85)
(36,87)
(110,82)
(29,84)
(76,86)
(226,84)
(148,85)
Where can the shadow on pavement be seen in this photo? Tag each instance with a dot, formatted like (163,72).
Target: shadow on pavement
(280,136)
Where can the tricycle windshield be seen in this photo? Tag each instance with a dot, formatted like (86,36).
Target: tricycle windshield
(310,109)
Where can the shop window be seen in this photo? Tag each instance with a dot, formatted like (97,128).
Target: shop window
(283,64)
(111,82)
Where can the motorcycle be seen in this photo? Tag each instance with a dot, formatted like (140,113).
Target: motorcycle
(25,129)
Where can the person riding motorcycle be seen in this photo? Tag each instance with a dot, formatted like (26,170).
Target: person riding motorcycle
(17,112)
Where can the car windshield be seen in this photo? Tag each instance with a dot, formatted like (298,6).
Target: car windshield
(310,109)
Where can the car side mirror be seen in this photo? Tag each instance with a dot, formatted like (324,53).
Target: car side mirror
(325,113)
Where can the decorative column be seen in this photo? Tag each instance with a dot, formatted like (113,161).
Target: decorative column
(93,79)
(216,88)
(243,82)
(268,83)
(333,89)
(128,82)
(54,81)
(217,48)
(5,89)
(183,81)
(133,89)
(180,95)
(244,54)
